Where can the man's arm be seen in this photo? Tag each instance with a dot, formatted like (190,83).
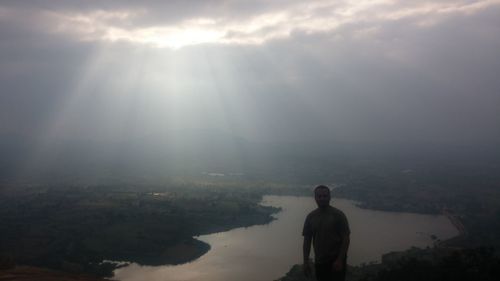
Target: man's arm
(346,231)
(340,261)
(344,246)
(306,250)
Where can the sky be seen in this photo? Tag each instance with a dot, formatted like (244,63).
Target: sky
(278,70)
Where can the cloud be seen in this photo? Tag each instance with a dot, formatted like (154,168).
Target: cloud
(215,22)
(351,70)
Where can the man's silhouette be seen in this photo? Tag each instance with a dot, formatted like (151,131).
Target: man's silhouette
(328,230)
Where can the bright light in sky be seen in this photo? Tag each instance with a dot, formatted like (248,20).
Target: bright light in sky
(95,26)
(307,17)
(168,37)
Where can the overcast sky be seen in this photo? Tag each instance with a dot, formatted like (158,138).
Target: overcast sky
(263,70)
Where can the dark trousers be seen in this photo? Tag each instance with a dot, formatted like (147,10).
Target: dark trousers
(325,272)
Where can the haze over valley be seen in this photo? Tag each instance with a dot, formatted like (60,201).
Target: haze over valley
(142,140)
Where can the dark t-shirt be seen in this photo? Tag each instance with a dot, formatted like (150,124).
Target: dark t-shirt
(326,227)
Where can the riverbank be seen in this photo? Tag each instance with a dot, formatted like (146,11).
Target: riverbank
(76,228)
(265,252)
(457,223)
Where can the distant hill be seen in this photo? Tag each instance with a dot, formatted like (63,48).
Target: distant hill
(193,153)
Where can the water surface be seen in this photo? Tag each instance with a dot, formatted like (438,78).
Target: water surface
(266,252)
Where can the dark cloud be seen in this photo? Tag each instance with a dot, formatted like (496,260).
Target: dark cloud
(155,12)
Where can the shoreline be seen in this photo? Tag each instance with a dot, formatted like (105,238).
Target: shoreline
(459,226)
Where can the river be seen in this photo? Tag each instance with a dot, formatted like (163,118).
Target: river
(267,252)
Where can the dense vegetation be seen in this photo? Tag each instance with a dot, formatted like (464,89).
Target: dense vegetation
(75,228)
(468,191)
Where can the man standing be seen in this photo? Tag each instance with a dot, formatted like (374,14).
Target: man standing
(328,229)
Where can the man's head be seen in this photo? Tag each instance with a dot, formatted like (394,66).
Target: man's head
(322,196)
